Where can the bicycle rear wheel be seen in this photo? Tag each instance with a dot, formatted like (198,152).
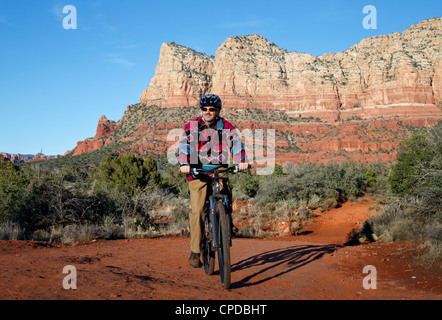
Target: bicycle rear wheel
(224,246)
(207,252)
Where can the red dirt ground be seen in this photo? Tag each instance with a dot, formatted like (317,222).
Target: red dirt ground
(312,266)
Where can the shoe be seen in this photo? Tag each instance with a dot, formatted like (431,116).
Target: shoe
(194,260)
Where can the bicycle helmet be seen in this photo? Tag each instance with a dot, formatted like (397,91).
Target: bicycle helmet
(211,100)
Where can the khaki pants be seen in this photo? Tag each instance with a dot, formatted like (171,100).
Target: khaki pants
(199,189)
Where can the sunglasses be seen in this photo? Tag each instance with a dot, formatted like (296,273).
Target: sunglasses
(209,109)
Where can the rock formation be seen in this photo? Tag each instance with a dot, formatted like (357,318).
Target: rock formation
(104,129)
(16,158)
(357,104)
(21,158)
(181,76)
(396,74)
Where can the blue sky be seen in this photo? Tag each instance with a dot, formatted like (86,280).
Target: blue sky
(56,83)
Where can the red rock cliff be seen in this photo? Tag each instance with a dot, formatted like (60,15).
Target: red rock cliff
(396,74)
(354,104)
(104,129)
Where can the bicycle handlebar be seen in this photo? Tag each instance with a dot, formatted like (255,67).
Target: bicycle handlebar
(233,169)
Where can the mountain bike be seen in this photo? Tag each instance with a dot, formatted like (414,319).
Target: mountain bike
(217,233)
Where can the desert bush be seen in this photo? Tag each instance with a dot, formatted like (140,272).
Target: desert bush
(288,167)
(180,215)
(12,184)
(418,167)
(401,220)
(328,203)
(290,204)
(128,174)
(175,181)
(76,233)
(414,156)
(377,178)
(180,220)
(311,183)
(269,207)
(305,214)
(416,179)
(247,184)
(11,231)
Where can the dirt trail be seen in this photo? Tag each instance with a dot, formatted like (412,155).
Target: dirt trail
(313,266)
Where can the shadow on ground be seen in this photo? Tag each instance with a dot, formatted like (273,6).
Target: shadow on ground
(279,262)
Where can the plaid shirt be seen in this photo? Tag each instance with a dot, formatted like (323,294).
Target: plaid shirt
(209,148)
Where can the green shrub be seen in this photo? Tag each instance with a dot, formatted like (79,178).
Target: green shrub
(376,174)
(128,174)
(247,184)
(311,183)
(12,184)
(175,181)
(416,215)
(414,157)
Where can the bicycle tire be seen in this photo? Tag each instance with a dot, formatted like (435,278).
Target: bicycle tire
(207,252)
(224,246)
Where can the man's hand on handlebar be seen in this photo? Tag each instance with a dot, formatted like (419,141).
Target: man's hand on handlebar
(243,166)
(185,169)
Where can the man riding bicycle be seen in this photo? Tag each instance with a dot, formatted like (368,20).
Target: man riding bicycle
(207,141)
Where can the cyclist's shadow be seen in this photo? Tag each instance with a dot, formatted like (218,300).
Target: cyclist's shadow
(279,261)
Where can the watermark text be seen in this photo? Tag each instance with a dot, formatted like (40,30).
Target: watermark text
(70,21)
(70,281)
(370,20)
(370,281)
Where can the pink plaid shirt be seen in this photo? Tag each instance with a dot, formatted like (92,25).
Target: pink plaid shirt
(209,148)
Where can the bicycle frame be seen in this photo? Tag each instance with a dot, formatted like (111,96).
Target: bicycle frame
(213,198)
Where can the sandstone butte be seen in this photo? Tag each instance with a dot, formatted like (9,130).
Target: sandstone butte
(362,98)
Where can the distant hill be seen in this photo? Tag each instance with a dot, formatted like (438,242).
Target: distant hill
(22,158)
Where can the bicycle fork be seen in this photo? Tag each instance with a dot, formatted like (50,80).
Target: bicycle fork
(229,218)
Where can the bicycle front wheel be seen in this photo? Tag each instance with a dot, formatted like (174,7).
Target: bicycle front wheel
(207,250)
(224,246)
